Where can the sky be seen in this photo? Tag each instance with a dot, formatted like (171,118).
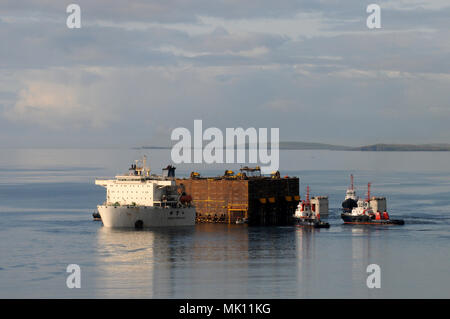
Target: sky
(137,69)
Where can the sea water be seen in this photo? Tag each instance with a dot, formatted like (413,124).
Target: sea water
(47,197)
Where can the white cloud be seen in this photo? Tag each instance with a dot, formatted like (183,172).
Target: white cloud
(59,98)
(302,24)
(409,5)
(282,105)
(230,63)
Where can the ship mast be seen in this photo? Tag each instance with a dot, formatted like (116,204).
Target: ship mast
(307,195)
(368,192)
(145,170)
(351,181)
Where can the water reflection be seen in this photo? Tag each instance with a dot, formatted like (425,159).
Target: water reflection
(217,264)
(271,265)
(235,261)
(360,251)
(305,249)
(365,249)
(130,261)
(171,262)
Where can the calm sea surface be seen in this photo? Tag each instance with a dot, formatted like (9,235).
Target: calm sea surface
(47,198)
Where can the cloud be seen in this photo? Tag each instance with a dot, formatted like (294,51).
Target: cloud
(139,105)
(169,11)
(136,69)
(281,105)
(57,101)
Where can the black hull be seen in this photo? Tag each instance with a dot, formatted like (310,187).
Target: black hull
(366,220)
(311,223)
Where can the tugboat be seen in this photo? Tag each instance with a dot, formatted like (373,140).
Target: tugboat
(96,215)
(307,216)
(242,221)
(351,201)
(371,211)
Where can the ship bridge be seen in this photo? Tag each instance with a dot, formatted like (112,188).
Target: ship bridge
(139,188)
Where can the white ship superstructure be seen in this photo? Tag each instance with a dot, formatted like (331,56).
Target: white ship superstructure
(314,208)
(140,199)
(351,193)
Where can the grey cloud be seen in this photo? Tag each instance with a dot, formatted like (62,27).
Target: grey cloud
(167,11)
(123,81)
(176,11)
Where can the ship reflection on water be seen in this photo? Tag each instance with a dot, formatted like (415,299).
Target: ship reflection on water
(233,261)
(205,261)
(237,261)
(305,249)
(364,252)
(170,262)
(321,273)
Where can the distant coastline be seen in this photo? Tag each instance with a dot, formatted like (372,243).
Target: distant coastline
(331,147)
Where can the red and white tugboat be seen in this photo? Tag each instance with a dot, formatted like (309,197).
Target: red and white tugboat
(305,215)
(371,211)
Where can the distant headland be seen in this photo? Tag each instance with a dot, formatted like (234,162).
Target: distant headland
(331,147)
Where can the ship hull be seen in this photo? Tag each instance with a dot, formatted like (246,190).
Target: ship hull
(366,220)
(145,216)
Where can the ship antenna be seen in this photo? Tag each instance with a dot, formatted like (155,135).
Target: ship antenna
(144,166)
(368,192)
(351,179)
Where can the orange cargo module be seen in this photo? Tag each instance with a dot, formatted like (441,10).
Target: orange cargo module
(247,197)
